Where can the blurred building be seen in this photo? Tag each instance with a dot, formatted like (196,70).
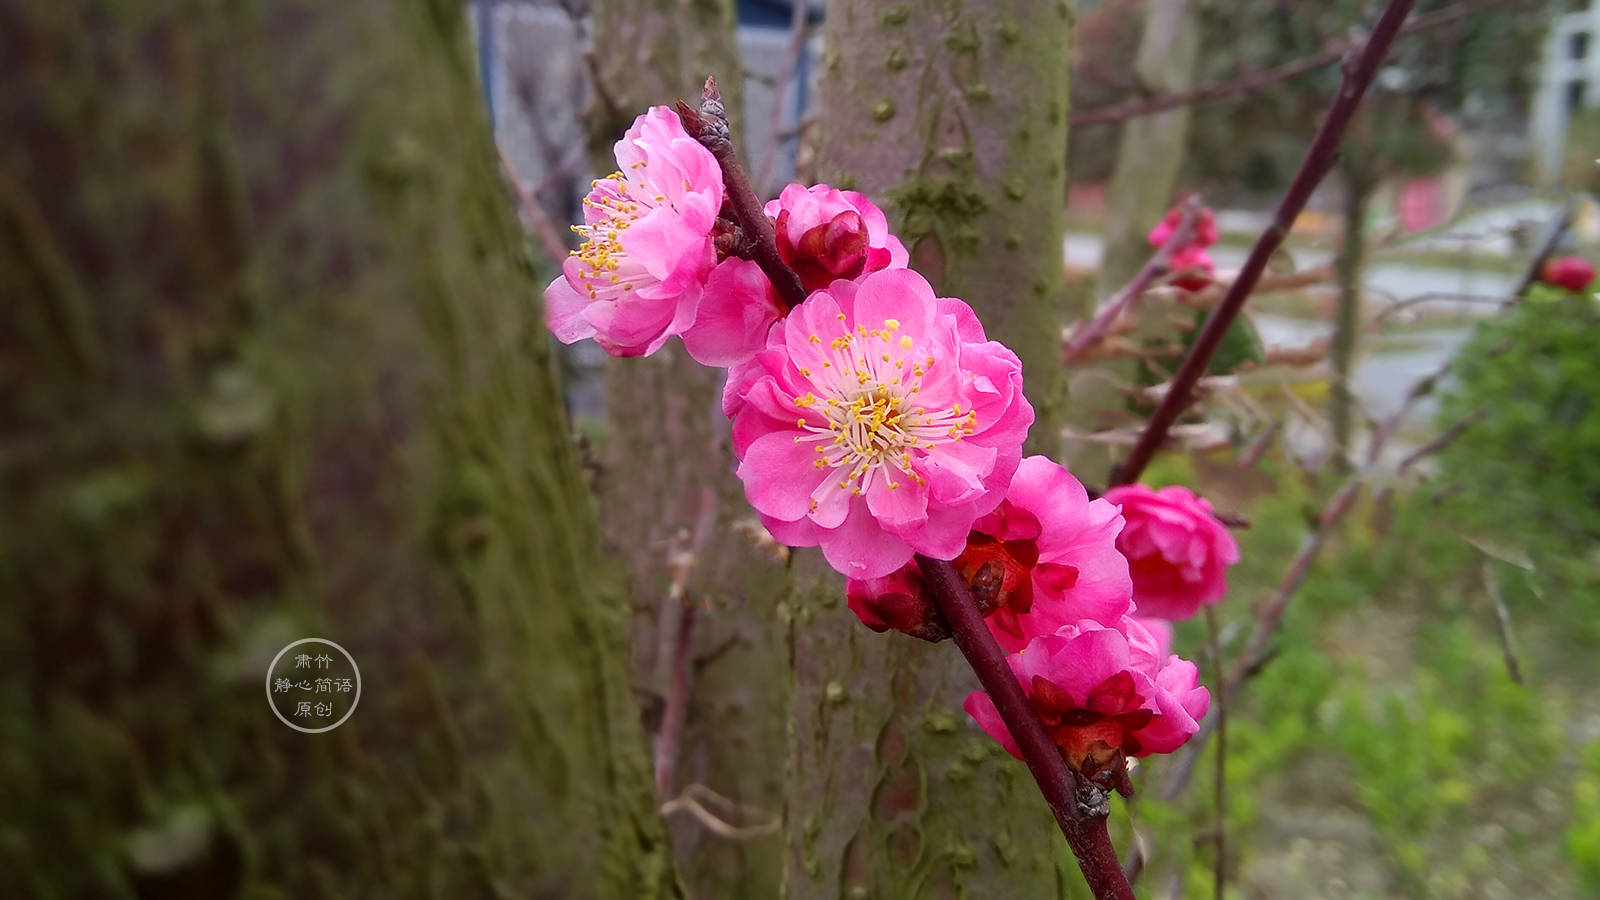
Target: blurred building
(1569,82)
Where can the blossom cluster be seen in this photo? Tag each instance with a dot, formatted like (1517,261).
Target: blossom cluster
(1190,260)
(877,421)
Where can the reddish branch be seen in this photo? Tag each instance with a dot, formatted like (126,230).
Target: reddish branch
(1086,336)
(533,212)
(1255,81)
(1080,808)
(1324,151)
(709,125)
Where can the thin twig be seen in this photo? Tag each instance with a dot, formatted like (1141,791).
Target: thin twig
(677,667)
(1079,807)
(709,125)
(1126,300)
(1445,439)
(696,797)
(533,213)
(1502,616)
(1569,212)
(1220,794)
(1320,157)
(1255,81)
(1212,294)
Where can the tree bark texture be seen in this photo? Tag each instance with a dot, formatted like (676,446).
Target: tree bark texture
(952,115)
(273,367)
(671,505)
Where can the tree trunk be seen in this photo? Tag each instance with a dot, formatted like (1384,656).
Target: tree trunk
(1150,153)
(275,369)
(673,510)
(1358,188)
(1143,186)
(954,115)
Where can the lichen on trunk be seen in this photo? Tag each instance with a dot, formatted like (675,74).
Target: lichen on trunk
(287,377)
(952,115)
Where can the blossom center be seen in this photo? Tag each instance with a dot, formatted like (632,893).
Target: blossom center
(610,210)
(865,385)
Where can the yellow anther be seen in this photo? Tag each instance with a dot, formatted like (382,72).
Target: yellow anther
(892,324)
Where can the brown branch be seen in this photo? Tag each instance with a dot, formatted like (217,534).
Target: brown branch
(1569,212)
(1079,807)
(1320,157)
(1213,293)
(1095,330)
(532,212)
(1255,81)
(1220,793)
(677,664)
(1444,440)
(1502,617)
(709,125)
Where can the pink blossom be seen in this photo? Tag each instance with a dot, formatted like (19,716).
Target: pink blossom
(1194,267)
(823,234)
(897,601)
(1205,227)
(738,309)
(1570,273)
(1045,557)
(1105,693)
(1178,553)
(1190,258)
(877,422)
(1160,630)
(647,250)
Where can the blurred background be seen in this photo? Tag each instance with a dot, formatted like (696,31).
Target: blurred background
(272,367)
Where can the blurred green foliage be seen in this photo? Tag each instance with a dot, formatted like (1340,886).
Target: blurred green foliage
(1528,476)
(1386,750)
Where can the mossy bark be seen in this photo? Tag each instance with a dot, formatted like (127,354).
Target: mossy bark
(274,368)
(953,115)
(669,495)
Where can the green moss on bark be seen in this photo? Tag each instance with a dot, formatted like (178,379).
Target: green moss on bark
(312,396)
(903,796)
(934,136)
